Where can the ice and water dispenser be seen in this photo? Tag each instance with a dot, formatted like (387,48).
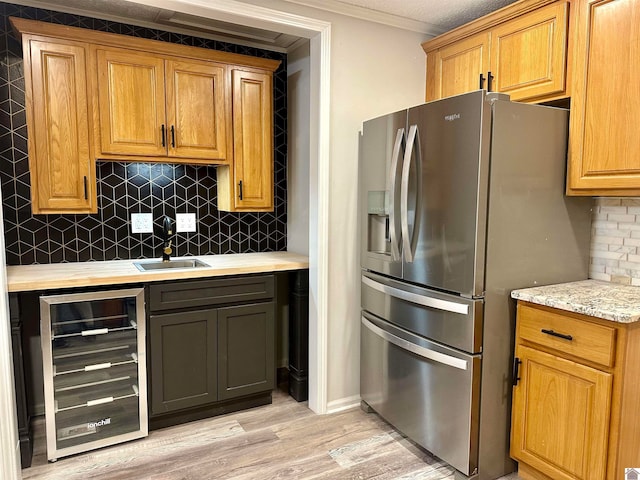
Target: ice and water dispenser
(379,240)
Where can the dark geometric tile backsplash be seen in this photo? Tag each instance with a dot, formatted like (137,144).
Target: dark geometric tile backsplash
(124,187)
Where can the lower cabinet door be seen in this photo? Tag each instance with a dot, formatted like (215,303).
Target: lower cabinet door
(183,360)
(246,350)
(560,421)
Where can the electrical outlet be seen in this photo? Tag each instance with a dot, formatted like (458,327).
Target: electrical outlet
(185,222)
(141,223)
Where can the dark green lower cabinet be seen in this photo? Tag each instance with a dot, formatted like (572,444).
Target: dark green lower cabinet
(246,350)
(183,360)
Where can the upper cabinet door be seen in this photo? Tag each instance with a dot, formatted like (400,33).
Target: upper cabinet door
(131,103)
(458,66)
(62,171)
(604,145)
(196,111)
(252,140)
(528,54)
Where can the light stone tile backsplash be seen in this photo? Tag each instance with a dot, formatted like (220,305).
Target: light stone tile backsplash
(615,240)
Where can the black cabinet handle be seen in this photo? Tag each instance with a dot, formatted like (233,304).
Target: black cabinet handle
(489,80)
(86,196)
(173,136)
(481,81)
(516,368)
(240,188)
(556,334)
(164,142)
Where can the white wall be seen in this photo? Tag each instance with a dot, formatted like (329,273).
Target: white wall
(375,69)
(9,446)
(298,123)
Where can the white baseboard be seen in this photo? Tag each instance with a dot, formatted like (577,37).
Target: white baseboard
(341,404)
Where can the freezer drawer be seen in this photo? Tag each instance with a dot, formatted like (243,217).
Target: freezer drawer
(427,391)
(449,319)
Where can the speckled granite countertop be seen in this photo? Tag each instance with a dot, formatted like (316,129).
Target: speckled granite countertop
(611,301)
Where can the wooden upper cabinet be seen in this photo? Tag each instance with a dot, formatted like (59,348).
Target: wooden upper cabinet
(95,95)
(196,110)
(131,102)
(248,184)
(529,53)
(561,416)
(158,107)
(520,50)
(460,66)
(62,171)
(604,144)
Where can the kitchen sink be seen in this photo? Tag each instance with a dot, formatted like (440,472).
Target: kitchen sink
(145,266)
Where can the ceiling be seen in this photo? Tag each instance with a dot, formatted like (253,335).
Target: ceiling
(440,15)
(430,17)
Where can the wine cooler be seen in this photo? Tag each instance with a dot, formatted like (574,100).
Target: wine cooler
(93,351)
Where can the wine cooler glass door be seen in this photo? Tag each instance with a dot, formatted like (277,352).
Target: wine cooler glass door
(94,366)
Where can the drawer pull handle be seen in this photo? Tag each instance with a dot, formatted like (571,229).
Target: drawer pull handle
(556,334)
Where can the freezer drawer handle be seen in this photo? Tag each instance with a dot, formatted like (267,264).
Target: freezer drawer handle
(556,334)
(417,299)
(417,349)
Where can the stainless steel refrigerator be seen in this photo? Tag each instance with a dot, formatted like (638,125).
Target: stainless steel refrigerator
(461,201)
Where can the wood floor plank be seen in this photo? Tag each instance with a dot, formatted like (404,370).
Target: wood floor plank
(284,440)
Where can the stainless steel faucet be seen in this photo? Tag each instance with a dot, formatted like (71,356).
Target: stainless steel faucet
(167,231)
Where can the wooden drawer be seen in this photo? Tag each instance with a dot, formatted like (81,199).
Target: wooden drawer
(589,341)
(199,293)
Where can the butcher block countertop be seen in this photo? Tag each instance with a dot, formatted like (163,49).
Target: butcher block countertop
(25,278)
(610,301)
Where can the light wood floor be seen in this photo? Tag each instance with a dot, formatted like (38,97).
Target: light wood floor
(284,440)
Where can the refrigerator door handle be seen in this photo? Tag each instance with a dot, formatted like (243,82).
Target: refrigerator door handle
(393,174)
(409,242)
(417,349)
(417,299)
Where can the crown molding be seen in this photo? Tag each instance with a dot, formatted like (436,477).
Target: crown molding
(356,11)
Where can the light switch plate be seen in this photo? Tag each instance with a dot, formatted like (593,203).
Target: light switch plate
(141,223)
(185,222)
